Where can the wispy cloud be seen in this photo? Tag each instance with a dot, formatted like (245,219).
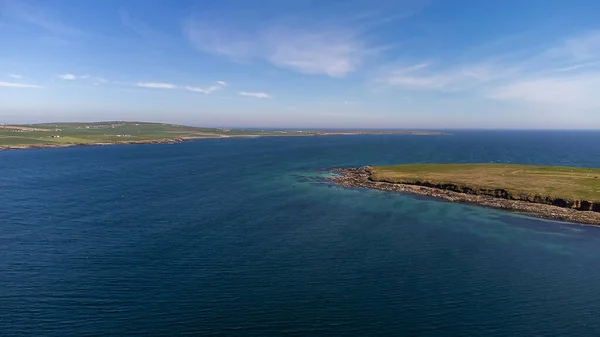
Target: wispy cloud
(69,77)
(577,66)
(19,85)
(425,76)
(260,95)
(335,40)
(170,86)
(580,91)
(38,15)
(143,30)
(15,76)
(577,49)
(574,85)
(565,74)
(310,49)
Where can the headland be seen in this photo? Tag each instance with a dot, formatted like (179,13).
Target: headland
(554,192)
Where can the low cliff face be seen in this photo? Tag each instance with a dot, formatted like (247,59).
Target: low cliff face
(582,205)
(497,198)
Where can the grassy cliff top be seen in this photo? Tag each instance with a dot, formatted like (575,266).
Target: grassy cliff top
(569,183)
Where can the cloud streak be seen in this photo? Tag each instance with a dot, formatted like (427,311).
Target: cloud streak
(424,77)
(43,17)
(19,85)
(208,90)
(260,95)
(170,86)
(15,76)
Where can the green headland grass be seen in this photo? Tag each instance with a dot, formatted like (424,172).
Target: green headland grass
(519,182)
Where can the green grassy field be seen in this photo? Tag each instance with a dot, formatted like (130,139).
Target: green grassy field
(521,182)
(109,132)
(89,133)
(114,132)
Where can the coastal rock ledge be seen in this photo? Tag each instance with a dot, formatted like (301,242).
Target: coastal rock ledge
(360,178)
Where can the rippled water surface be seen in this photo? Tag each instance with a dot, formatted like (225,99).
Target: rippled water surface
(245,237)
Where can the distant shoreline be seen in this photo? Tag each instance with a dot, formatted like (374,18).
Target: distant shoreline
(359,177)
(55,146)
(309,133)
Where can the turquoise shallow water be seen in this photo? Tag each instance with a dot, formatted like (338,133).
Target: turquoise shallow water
(245,237)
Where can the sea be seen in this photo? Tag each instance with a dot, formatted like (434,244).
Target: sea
(247,237)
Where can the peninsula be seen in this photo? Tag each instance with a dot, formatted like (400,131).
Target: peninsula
(119,132)
(554,192)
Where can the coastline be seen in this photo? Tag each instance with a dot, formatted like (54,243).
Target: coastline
(130,142)
(215,136)
(53,146)
(359,177)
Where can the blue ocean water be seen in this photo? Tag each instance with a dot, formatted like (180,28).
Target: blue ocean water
(245,237)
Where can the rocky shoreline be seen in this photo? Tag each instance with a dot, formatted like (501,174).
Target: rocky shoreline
(359,177)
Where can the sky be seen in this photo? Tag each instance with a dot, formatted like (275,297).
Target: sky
(435,64)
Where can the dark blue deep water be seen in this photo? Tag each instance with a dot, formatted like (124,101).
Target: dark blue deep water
(244,237)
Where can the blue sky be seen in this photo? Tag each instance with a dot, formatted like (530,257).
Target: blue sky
(303,63)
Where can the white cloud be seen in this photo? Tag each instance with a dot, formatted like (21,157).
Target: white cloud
(15,76)
(334,53)
(579,91)
(157,85)
(255,94)
(96,81)
(331,51)
(223,83)
(18,85)
(67,77)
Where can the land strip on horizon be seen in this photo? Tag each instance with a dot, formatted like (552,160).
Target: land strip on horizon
(118,132)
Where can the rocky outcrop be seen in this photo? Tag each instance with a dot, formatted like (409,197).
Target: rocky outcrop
(572,211)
